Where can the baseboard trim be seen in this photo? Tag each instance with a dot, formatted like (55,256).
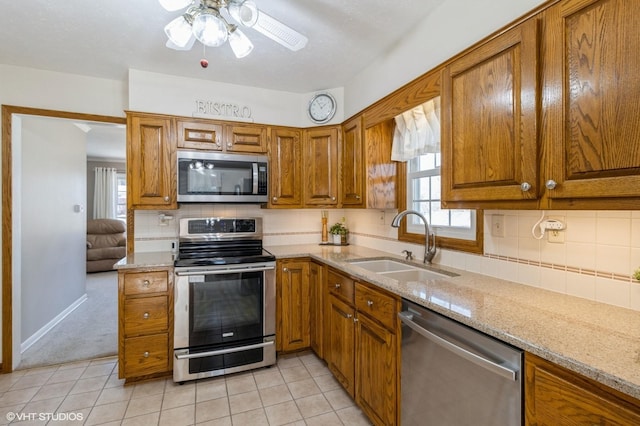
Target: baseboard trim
(48,326)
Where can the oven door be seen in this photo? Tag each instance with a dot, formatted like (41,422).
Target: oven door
(224,319)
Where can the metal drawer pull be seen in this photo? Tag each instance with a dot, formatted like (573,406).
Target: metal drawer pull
(507,373)
(223,351)
(145,315)
(344,314)
(146,283)
(337,285)
(369,303)
(146,354)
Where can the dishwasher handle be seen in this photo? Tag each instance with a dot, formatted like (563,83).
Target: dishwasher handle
(507,373)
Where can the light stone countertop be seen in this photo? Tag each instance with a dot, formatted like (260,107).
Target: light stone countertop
(597,340)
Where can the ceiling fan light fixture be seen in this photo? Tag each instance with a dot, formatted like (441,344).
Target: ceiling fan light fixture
(245,12)
(240,43)
(179,31)
(209,29)
(173,5)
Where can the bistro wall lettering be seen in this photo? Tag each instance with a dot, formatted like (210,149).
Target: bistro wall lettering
(222,110)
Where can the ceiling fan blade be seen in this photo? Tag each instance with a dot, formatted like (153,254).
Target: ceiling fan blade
(279,32)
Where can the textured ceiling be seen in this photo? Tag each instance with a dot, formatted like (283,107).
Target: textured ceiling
(106,38)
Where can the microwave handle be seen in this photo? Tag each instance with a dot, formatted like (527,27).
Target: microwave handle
(254,167)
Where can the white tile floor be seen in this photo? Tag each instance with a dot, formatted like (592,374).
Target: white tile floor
(300,390)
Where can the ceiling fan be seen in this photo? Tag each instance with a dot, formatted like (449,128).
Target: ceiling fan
(212,23)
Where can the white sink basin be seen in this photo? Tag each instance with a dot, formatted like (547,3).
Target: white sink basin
(399,270)
(382,265)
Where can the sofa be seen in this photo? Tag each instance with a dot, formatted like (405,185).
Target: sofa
(106,244)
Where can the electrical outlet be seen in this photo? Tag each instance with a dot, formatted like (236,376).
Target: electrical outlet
(381,217)
(555,236)
(497,225)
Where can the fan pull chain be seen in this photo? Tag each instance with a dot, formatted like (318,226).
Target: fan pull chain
(203,62)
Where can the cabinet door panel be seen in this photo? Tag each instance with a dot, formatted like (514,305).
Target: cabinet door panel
(295,312)
(376,388)
(321,167)
(341,353)
(352,160)
(285,180)
(151,157)
(592,86)
(199,134)
(241,138)
(489,110)
(316,282)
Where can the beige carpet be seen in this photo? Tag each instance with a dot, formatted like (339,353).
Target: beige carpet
(90,331)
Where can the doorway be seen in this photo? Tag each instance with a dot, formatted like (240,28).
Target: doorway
(11,334)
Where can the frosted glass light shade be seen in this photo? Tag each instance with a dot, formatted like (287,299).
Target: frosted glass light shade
(244,12)
(240,43)
(210,30)
(178,31)
(173,5)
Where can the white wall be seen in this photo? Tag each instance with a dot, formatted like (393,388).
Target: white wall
(451,28)
(53,235)
(160,93)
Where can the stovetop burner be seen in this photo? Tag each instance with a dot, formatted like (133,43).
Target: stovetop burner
(220,241)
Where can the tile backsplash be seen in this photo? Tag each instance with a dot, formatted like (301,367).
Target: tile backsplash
(601,249)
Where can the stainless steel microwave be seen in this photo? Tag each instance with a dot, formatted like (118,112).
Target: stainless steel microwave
(216,177)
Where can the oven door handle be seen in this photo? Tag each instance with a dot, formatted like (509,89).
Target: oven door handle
(223,271)
(224,351)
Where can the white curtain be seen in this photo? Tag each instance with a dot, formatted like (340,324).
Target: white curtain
(417,131)
(105,196)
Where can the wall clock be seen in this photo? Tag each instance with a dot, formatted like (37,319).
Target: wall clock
(322,108)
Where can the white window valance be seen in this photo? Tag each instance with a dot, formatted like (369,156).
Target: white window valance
(417,131)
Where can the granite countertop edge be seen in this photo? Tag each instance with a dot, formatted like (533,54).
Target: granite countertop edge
(597,340)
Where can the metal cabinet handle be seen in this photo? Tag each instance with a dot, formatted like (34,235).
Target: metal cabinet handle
(337,285)
(146,283)
(146,354)
(525,186)
(357,197)
(333,198)
(285,269)
(229,145)
(369,303)
(551,184)
(145,315)
(274,199)
(166,198)
(344,314)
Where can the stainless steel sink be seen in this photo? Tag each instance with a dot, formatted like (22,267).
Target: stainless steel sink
(398,270)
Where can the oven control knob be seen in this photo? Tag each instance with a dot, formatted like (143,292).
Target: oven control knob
(145,315)
(146,354)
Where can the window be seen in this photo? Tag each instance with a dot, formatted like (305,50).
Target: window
(423,195)
(121,196)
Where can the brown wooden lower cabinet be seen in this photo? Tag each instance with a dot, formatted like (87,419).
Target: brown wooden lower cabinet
(555,396)
(145,330)
(293,318)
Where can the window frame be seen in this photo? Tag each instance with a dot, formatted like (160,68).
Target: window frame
(469,246)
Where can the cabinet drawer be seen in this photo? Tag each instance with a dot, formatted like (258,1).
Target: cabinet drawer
(199,135)
(145,282)
(341,286)
(145,315)
(379,306)
(146,355)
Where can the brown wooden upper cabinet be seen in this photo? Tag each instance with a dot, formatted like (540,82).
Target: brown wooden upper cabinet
(352,164)
(285,165)
(489,142)
(591,89)
(151,162)
(218,136)
(585,152)
(320,159)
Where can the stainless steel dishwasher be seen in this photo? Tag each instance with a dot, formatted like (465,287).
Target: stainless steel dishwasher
(453,375)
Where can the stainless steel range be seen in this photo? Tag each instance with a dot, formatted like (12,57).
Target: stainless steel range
(224,298)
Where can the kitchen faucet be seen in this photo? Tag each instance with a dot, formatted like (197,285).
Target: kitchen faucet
(429,238)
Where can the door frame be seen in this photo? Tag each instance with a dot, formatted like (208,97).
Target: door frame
(7,213)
